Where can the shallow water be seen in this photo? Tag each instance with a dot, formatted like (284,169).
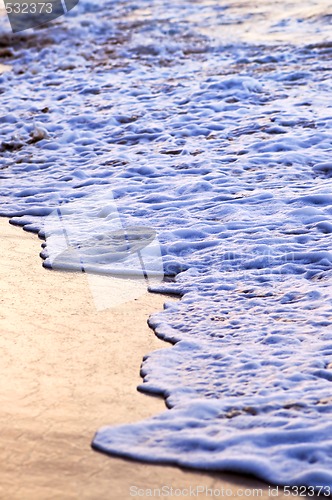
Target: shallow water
(211,124)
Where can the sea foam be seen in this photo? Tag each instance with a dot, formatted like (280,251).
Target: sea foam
(206,126)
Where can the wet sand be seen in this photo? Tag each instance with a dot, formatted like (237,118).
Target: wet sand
(66,370)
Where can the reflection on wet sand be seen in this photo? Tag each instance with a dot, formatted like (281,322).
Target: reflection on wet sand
(280,21)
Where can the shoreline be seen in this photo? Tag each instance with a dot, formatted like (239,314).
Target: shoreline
(67,370)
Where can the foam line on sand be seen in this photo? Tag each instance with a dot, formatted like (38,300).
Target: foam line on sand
(66,370)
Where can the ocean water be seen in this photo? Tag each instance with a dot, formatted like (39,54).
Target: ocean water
(209,122)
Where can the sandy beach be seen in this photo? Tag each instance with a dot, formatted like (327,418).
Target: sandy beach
(66,370)
(209,125)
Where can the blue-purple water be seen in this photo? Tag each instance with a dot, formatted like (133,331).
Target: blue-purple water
(211,123)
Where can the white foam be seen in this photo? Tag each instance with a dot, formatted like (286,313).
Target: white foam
(221,143)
